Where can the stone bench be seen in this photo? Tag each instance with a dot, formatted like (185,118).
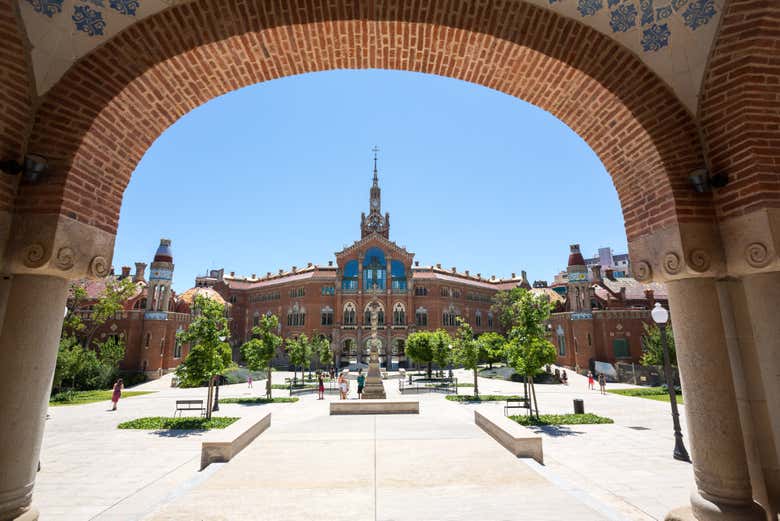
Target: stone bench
(375,407)
(518,440)
(223,444)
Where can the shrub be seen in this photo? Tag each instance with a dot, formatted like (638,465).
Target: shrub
(186,424)
(258,400)
(561,419)
(482,398)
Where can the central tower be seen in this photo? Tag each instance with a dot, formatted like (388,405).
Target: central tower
(374,222)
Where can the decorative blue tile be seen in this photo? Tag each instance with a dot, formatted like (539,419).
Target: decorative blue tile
(679,4)
(662,13)
(589,7)
(96,3)
(127,7)
(623,18)
(699,13)
(88,20)
(612,3)
(47,7)
(655,37)
(646,7)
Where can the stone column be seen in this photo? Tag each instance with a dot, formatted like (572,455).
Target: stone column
(28,353)
(723,491)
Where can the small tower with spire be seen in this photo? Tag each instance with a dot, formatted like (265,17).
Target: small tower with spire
(160,278)
(374,222)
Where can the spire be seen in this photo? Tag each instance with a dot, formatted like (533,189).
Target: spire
(375,150)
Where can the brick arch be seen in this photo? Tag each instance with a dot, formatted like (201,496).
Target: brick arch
(164,66)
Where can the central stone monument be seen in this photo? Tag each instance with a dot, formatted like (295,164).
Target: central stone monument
(374,388)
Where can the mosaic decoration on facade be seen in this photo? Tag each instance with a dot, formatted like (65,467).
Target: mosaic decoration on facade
(627,14)
(87,15)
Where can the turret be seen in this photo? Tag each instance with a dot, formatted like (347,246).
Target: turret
(160,280)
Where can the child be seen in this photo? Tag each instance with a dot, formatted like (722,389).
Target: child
(117,393)
(590,381)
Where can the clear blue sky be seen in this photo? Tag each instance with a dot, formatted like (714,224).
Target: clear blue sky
(276,175)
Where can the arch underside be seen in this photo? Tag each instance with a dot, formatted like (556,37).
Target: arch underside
(99,120)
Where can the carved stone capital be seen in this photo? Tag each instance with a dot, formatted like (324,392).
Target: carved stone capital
(752,242)
(58,246)
(681,251)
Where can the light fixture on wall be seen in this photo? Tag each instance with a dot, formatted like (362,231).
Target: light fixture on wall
(702,181)
(31,169)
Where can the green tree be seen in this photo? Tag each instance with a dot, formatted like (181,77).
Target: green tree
(492,347)
(652,351)
(109,302)
(528,350)
(321,351)
(468,350)
(210,354)
(299,351)
(419,347)
(441,343)
(260,350)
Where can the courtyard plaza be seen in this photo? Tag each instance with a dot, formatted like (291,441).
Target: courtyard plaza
(435,466)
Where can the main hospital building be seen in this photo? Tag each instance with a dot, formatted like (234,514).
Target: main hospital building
(599,312)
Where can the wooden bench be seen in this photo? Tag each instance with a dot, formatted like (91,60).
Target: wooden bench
(518,440)
(519,403)
(189,405)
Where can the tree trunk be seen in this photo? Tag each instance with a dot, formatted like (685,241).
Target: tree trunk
(429,369)
(533,393)
(476,387)
(268,382)
(209,398)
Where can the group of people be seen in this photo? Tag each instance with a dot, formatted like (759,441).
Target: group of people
(602,382)
(343,384)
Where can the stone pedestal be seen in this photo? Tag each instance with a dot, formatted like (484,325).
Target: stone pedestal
(29,338)
(374,388)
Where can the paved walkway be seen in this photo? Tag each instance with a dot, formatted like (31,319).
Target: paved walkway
(91,470)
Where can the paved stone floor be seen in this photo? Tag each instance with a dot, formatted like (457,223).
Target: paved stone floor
(394,468)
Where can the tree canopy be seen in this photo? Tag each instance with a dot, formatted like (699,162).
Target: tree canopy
(467,351)
(652,350)
(259,351)
(492,347)
(419,347)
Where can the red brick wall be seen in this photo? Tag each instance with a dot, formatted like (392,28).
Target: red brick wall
(15,92)
(109,108)
(740,106)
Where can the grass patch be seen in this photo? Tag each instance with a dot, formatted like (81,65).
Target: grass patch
(82,397)
(560,419)
(258,400)
(481,398)
(659,394)
(183,424)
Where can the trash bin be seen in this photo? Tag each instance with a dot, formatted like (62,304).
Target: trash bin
(579,406)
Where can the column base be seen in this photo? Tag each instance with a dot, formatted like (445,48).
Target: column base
(26,514)
(704,510)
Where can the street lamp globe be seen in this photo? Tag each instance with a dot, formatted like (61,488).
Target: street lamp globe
(660,314)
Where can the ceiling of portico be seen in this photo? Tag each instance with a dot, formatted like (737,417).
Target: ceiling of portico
(672,37)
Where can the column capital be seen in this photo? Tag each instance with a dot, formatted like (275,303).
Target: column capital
(752,242)
(58,246)
(680,251)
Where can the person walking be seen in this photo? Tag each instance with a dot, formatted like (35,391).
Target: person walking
(564,378)
(117,392)
(590,381)
(320,387)
(602,383)
(361,380)
(249,381)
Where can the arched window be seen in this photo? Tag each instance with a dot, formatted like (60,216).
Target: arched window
(421,316)
(449,316)
(148,340)
(490,320)
(349,314)
(140,304)
(349,279)
(256,319)
(177,345)
(399,314)
(398,346)
(348,347)
(398,275)
(296,316)
(478,318)
(326,316)
(374,269)
(380,316)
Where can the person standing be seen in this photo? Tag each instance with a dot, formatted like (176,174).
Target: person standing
(117,392)
(361,381)
(590,381)
(564,378)
(342,381)
(320,387)
(249,381)
(602,383)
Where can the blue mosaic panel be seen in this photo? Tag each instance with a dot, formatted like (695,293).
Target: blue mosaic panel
(96,3)
(88,20)
(679,4)
(662,13)
(127,7)
(646,7)
(47,7)
(612,3)
(699,13)
(623,18)
(589,7)
(656,37)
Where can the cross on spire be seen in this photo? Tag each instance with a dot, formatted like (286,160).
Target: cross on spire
(375,150)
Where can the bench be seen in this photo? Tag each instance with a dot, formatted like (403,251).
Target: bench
(222,445)
(189,405)
(518,440)
(518,403)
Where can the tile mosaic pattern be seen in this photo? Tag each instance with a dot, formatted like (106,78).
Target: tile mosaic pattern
(46,7)
(87,15)
(88,20)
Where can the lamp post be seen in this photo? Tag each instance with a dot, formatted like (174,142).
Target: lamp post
(216,396)
(451,375)
(661,317)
